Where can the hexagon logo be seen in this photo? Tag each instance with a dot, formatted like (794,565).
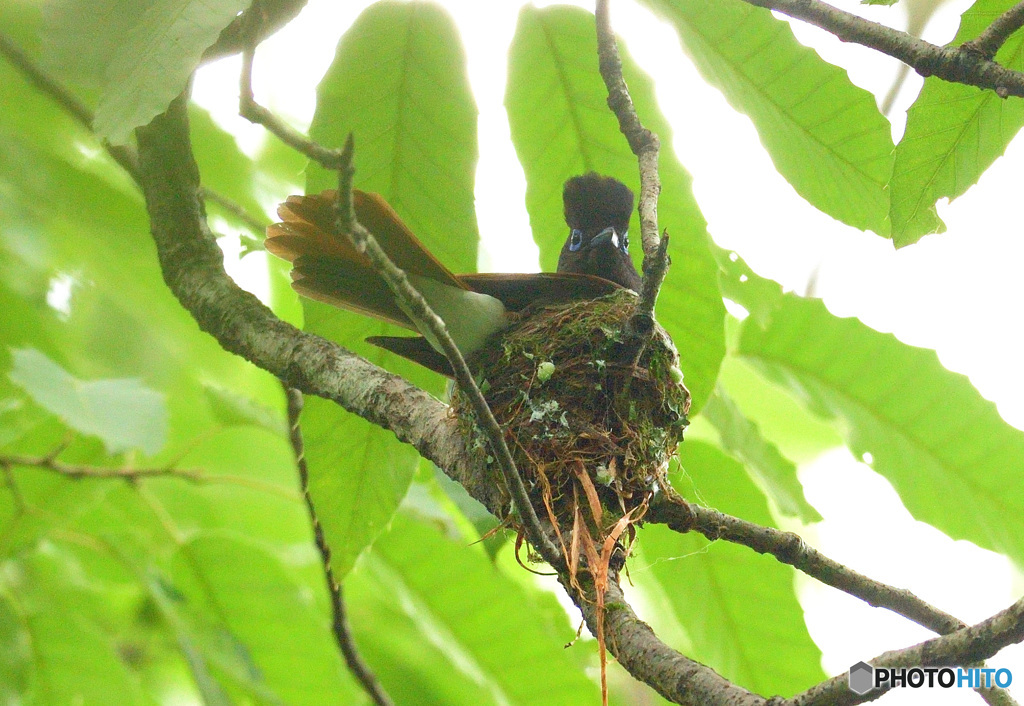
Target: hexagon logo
(861,678)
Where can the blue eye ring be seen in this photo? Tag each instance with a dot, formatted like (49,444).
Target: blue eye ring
(625,242)
(575,240)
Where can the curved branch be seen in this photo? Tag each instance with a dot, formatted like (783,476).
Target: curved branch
(955,64)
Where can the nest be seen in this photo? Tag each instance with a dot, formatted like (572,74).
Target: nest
(591,416)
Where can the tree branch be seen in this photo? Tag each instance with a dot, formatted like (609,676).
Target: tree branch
(252,111)
(339,620)
(965,646)
(789,548)
(995,35)
(954,64)
(192,266)
(646,146)
(74,471)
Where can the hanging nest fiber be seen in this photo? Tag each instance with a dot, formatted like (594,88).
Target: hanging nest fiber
(591,418)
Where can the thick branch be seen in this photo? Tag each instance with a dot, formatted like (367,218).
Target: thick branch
(955,64)
(339,620)
(639,650)
(790,549)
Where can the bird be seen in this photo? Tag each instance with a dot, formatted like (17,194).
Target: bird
(593,263)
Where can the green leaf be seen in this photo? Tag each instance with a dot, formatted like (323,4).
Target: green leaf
(15,654)
(481,625)
(235,408)
(76,649)
(738,607)
(398,84)
(561,126)
(758,295)
(825,135)
(231,585)
(124,413)
(774,473)
(140,53)
(954,133)
(954,461)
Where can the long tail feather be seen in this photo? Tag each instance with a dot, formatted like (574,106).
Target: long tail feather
(329,269)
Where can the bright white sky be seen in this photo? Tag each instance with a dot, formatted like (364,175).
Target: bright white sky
(960,293)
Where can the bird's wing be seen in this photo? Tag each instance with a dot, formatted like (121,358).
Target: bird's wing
(517,291)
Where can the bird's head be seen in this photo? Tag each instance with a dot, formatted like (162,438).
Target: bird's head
(597,211)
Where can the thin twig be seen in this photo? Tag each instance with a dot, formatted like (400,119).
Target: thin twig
(252,111)
(83,471)
(646,146)
(339,621)
(423,315)
(124,155)
(789,548)
(257,225)
(954,64)
(988,43)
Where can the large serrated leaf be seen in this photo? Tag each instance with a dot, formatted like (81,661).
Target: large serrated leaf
(124,413)
(141,53)
(561,126)
(398,84)
(954,133)
(825,135)
(954,461)
(775,474)
(738,607)
(236,588)
(480,622)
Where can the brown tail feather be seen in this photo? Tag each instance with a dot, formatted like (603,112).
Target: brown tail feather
(312,218)
(329,269)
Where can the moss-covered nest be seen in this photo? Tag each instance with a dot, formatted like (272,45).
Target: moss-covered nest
(586,418)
